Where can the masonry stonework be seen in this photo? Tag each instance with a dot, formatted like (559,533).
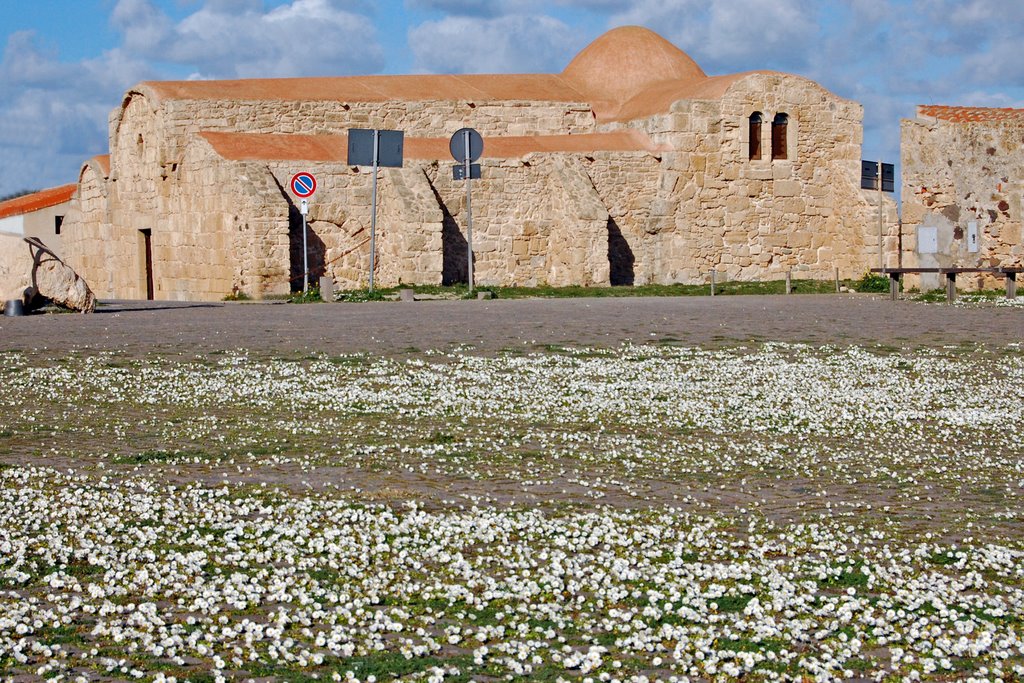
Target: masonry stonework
(963,174)
(630,167)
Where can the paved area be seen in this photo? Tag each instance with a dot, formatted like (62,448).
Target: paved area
(489,326)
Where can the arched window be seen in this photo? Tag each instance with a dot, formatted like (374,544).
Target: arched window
(779,125)
(755,135)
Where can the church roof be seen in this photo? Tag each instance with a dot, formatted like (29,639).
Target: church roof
(627,73)
(35,201)
(334,148)
(970,114)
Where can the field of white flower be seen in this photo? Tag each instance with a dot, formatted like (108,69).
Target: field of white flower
(777,512)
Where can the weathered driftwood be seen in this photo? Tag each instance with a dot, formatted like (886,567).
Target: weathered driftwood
(55,281)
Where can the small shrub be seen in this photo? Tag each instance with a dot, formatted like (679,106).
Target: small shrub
(872,283)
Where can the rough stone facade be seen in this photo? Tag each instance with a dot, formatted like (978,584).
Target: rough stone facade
(630,167)
(963,171)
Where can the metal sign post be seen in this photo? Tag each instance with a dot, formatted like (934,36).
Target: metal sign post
(373,214)
(880,176)
(881,258)
(304,209)
(469,212)
(303,186)
(376,148)
(466,147)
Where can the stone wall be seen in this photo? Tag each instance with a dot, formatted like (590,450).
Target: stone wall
(715,208)
(99,252)
(956,174)
(15,266)
(536,221)
(177,120)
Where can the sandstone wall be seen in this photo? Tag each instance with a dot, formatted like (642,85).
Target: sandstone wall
(755,219)
(167,126)
(536,220)
(107,257)
(955,174)
(15,266)
(410,242)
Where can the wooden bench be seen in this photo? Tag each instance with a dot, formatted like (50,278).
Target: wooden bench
(896,274)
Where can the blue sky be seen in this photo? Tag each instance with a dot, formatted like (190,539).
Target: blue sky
(65,63)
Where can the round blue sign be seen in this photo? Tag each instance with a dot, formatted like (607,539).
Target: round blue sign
(303,184)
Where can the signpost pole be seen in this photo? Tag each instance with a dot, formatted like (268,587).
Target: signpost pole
(303,185)
(373,215)
(305,257)
(469,211)
(881,258)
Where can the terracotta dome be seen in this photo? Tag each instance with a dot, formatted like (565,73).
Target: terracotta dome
(625,61)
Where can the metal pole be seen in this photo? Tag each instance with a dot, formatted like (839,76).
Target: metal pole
(305,258)
(373,215)
(881,258)
(469,210)
(899,242)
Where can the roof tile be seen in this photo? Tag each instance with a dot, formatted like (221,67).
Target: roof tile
(971,114)
(37,200)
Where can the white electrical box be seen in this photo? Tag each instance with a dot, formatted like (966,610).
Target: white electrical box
(972,236)
(927,240)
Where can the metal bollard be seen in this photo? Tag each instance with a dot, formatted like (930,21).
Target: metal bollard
(14,308)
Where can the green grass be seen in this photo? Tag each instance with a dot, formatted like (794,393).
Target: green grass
(733,603)
(727,288)
(855,578)
(311,295)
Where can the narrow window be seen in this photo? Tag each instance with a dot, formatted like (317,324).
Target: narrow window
(755,135)
(779,125)
(57,222)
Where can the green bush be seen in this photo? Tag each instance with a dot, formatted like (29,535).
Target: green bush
(872,283)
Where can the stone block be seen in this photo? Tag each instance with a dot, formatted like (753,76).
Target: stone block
(786,188)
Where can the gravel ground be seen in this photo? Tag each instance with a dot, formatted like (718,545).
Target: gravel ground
(489,326)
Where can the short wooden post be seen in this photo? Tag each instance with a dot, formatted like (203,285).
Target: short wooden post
(712,282)
(894,286)
(789,282)
(1011,284)
(950,287)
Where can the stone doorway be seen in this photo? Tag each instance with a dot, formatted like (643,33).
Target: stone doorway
(146,262)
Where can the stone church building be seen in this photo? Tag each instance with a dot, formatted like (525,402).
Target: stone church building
(630,166)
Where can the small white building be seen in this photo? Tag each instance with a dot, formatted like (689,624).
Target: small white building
(40,214)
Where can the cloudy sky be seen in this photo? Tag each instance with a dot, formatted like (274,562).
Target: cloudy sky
(65,63)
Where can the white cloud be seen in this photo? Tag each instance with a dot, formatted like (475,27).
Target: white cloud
(473,8)
(732,35)
(240,39)
(508,44)
(56,115)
